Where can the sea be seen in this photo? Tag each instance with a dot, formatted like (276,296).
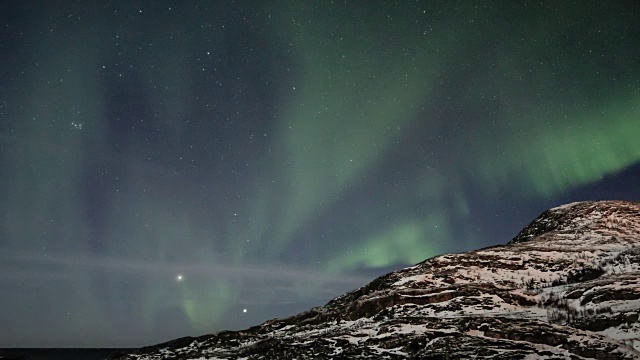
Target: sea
(60,354)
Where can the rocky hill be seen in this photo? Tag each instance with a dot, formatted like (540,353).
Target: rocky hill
(566,287)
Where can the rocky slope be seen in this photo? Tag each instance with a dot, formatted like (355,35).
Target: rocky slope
(566,287)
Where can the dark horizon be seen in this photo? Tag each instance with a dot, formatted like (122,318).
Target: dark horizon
(174,170)
(61,353)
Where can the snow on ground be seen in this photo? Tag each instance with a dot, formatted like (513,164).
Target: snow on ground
(565,206)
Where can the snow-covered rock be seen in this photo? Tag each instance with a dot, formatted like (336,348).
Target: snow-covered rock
(566,287)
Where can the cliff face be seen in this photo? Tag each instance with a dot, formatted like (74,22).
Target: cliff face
(566,287)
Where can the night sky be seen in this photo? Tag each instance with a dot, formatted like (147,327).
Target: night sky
(178,168)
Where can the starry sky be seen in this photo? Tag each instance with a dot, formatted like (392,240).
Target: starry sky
(174,168)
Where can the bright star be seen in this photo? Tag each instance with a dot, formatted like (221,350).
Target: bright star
(179,277)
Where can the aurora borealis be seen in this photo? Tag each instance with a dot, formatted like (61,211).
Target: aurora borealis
(177,168)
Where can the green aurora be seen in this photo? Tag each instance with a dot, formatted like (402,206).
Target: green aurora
(417,111)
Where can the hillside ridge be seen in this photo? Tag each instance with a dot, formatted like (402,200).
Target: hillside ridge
(566,287)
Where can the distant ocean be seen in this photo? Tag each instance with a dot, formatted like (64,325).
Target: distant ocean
(59,354)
